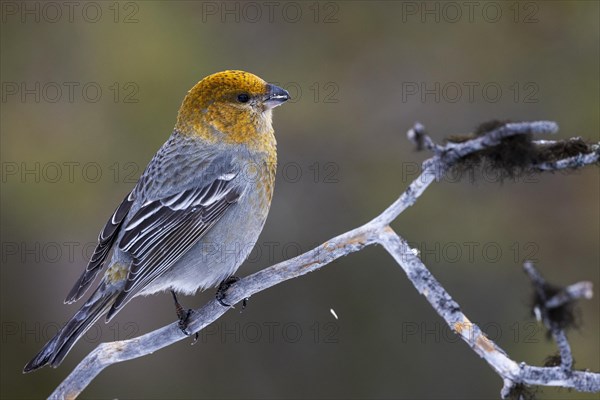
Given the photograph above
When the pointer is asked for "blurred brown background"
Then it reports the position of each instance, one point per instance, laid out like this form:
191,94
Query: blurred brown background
91,90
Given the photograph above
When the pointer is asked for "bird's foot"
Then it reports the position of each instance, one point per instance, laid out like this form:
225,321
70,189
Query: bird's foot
184,317
222,291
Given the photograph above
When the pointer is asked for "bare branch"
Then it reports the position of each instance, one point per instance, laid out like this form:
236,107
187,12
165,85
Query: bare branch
579,290
449,310
552,308
577,161
111,353
377,231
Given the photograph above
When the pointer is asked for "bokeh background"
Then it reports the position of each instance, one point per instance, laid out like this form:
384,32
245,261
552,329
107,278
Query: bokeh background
91,90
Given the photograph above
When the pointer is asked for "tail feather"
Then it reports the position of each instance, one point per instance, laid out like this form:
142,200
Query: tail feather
57,348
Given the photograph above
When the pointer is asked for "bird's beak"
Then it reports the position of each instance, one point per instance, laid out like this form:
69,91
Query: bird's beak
275,96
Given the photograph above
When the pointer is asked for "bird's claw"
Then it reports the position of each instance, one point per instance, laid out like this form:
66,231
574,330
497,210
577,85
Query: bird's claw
222,292
184,318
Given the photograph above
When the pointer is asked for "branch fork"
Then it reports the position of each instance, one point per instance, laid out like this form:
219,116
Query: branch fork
378,231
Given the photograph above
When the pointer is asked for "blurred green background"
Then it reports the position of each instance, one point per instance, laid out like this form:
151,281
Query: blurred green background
91,90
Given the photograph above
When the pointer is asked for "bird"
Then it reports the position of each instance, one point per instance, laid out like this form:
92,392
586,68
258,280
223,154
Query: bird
195,213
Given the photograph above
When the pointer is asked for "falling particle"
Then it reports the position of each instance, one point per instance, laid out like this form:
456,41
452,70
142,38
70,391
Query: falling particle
333,313
538,313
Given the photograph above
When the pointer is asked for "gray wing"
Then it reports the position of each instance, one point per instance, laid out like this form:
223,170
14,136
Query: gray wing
162,230
106,240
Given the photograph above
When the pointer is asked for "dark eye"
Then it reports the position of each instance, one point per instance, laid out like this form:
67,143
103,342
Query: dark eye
243,97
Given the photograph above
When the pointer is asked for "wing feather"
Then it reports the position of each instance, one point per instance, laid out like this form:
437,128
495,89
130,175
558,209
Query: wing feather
163,230
106,238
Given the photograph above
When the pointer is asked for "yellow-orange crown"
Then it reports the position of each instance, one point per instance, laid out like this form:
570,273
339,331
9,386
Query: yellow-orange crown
213,104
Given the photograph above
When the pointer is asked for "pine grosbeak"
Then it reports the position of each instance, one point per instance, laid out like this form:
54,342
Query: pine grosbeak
195,213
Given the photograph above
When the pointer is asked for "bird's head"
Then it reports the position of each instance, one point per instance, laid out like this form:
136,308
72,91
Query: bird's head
234,106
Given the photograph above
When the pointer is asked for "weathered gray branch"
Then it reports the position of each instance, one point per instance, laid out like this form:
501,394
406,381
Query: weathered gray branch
579,290
377,231
564,296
